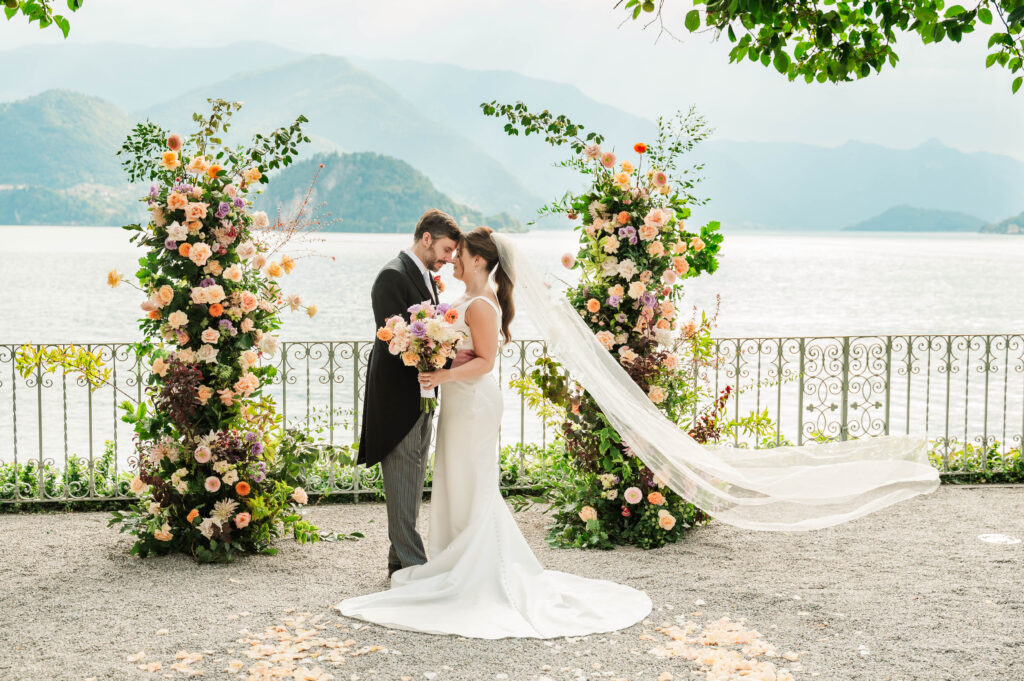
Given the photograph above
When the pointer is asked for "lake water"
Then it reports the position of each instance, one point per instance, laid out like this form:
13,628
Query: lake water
791,284
53,281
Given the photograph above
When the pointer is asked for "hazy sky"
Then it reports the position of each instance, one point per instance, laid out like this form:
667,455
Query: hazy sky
940,91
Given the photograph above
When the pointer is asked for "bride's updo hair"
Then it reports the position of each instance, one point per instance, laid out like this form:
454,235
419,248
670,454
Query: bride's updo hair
479,242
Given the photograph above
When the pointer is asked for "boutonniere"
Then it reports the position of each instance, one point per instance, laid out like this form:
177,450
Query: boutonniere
439,283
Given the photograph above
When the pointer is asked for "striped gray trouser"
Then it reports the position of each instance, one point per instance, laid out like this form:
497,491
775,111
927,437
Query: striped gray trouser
403,470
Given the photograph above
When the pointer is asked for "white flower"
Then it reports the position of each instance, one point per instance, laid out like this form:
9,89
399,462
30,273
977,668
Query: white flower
207,354
246,250
182,487
187,355
260,220
294,302
663,337
268,344
221,467
637,290
206,527
223,510
177,231
611,495
231,477
627,269
154,508
610,266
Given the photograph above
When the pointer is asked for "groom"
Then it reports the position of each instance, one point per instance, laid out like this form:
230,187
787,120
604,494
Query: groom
395,432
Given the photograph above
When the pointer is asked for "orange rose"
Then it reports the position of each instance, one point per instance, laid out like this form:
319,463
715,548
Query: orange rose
176,201
287,264
682,267
192,515
274,270
170,160
639,147
216,310
664,324
451,315
213,170
656,498
242,488
154,314
385,334
410,358
184,249
593,305
623,217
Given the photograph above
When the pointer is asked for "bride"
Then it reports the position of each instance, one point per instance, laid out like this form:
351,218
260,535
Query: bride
483,581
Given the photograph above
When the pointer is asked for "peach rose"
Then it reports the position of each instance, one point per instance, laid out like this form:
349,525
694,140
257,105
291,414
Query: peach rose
655,249
260,220
164,533
251,175
593,305
207,353
160,367
246,250
588,513
287,264
192,515
656,498
681,265
409,358
243,519
213,267
311,311
169,160
227,398
627,167
671,362
656,218
667,309
246,325
666,521
606,338
212,483
274,270
697,244
205,393
647,232
248,359
259,261
196,211
233,273
198,165
385,334
114,278
210,336
611,244
137,486
637,290
176,201
166,294
299,495
657,395
617,291
215,293
249,301
193,226
200,253
664,324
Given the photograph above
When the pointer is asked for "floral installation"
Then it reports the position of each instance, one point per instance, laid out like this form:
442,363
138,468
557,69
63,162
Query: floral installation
635,252
426,341
216,474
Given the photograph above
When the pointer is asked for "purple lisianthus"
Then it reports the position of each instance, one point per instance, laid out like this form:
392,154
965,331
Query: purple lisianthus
226,324
170,244
239,203
418,329
222,210
414,309
621,318
443,307
183,188
250,436
628,232
261,471
209,281
257,448
649,299
613,301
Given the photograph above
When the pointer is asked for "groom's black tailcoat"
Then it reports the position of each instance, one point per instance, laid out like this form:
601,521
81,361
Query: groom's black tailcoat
391,404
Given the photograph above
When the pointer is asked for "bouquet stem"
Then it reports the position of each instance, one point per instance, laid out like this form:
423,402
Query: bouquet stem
428,402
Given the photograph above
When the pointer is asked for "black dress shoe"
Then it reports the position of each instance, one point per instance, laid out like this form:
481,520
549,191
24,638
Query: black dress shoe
392,569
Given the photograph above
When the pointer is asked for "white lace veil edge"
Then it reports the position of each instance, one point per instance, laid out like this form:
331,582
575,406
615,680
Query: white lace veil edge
784,489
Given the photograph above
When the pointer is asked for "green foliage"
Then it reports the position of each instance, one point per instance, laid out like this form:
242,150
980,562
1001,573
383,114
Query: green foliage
843,40
42,11
371,193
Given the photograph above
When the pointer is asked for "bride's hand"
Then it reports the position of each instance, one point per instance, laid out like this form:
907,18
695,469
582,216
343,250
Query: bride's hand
433,379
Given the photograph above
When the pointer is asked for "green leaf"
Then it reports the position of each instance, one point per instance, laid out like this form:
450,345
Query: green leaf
985,15
1016,84
63,24
781,61
692,20
955,10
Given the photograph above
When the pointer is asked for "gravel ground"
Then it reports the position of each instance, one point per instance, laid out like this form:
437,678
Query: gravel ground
909,593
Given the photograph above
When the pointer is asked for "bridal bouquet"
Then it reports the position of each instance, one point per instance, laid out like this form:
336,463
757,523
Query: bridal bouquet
427,341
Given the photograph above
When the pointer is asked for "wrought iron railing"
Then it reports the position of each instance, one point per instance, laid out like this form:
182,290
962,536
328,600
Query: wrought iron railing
966,392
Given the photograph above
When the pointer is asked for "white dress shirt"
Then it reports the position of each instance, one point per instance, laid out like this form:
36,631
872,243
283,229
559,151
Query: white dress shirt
423,269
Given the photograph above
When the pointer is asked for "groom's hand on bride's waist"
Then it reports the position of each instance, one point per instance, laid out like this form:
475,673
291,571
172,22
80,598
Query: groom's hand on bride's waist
462,357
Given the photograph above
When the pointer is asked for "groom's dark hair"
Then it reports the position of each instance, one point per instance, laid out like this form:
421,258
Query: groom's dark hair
439,224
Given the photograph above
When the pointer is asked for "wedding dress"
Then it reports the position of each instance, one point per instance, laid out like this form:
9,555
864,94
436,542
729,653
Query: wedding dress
482,580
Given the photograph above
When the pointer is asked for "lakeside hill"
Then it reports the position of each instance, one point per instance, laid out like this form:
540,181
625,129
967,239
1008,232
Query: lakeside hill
1014,225
351,110
369,193
913,219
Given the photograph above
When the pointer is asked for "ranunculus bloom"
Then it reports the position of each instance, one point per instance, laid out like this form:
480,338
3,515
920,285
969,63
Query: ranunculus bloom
608,159
174,142
216,310
184,249
242,488
242,520
656,498
666,521
639,147
213,170
633,495
212,483
299,495
623,217
593,305
588,513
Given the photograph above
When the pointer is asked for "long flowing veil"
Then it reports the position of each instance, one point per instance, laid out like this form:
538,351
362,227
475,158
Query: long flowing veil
788,488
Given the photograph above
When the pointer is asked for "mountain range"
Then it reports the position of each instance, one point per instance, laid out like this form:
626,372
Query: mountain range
428,116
